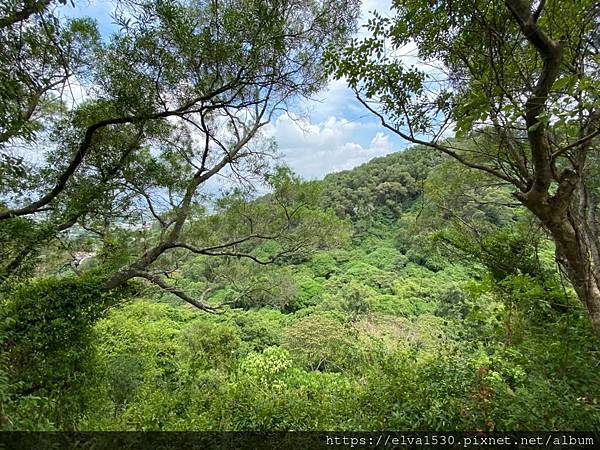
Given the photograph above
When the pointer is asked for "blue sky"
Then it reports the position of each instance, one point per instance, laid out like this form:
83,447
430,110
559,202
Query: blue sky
333,132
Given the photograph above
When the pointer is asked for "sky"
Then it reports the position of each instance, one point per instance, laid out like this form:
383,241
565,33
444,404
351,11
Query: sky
328,133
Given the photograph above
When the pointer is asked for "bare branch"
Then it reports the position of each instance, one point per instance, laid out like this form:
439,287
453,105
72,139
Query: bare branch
435,145
176,291
578,143
86,144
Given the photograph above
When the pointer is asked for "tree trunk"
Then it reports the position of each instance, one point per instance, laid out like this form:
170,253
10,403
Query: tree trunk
574,254
577,246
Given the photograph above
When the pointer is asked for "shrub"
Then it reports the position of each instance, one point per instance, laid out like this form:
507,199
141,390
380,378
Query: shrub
46,330
320,343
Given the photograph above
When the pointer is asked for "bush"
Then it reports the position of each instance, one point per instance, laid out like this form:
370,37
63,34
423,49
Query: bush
320,343
268,393
212,345
386,258
46,331
323,265
260,328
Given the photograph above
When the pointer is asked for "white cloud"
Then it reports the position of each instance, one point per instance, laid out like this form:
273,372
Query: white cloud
313,150
332,131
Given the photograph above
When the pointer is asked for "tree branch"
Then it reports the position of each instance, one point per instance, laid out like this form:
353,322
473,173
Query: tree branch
29,8
155,279
435,145
86,144
551,54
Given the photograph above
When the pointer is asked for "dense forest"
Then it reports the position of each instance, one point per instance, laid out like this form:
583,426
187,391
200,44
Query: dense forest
451,285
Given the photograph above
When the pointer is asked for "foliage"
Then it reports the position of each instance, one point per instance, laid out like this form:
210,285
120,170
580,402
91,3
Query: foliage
518,83
320,343
409,293
47,344
178,96
382,188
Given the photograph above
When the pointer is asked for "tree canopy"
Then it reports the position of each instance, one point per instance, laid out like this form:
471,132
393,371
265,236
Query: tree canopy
128,131
520,80
422,290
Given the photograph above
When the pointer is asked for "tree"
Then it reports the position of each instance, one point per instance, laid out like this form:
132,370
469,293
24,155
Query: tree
176,98
520,81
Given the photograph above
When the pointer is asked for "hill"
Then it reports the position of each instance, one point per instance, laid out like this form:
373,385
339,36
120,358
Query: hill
405,321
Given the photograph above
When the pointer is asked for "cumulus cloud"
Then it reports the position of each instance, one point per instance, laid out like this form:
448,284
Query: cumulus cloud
332,131
313,150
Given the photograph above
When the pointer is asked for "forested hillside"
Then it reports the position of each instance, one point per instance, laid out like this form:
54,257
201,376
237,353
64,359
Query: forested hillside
163,268
389,326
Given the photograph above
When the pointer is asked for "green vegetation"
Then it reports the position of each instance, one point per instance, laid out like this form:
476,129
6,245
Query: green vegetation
415,292
381,331
519,80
